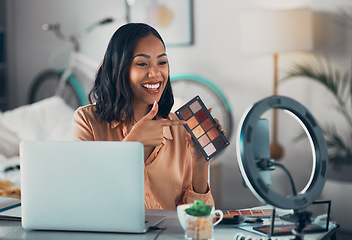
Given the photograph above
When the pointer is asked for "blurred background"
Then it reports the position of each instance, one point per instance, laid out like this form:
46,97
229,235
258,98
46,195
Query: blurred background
218,52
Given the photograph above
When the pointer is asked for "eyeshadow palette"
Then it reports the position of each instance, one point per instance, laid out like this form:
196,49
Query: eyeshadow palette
249,212
202,127
245,215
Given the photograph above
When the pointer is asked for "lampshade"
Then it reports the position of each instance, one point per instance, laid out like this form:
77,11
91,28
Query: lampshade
280,4
274,31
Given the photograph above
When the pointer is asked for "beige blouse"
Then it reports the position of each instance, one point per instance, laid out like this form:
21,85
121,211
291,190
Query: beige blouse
168,169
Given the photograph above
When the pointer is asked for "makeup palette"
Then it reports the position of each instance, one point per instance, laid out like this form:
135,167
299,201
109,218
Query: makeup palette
245,216
249,212
202,127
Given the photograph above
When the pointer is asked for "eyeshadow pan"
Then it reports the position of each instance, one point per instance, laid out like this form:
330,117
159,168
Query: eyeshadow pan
201,115
207,124
192,122
198,131
204,140
209,149
213,133
186,113
257,212
218,142
195,107
245,212
234,212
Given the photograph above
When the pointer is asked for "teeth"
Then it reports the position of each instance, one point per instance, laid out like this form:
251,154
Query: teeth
151,86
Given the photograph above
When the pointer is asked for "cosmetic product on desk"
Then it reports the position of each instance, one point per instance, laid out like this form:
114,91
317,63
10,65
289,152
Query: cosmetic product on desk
202,127
254,216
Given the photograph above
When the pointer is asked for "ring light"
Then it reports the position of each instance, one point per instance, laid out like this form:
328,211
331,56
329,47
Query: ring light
250,168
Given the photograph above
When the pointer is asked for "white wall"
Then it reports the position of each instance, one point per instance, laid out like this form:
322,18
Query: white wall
215,55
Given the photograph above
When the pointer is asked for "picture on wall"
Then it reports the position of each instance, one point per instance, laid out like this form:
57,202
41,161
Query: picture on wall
172,19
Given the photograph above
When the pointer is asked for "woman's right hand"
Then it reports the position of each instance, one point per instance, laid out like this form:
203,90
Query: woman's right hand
148,131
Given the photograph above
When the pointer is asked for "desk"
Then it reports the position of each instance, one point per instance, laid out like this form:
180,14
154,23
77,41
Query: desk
13,230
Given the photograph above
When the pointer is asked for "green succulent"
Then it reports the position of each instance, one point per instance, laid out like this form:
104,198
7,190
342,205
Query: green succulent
199,209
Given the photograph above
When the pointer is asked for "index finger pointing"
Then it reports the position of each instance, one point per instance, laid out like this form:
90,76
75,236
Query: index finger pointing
172,122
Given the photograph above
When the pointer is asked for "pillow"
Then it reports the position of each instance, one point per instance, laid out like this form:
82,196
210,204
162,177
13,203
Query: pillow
49,119
9,141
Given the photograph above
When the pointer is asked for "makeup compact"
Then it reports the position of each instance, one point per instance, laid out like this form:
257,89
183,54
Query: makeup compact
201,125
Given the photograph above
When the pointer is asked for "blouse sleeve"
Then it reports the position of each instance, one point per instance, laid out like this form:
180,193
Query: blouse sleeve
190,195
81,127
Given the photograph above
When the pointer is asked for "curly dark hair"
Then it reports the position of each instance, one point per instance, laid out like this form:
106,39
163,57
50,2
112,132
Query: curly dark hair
111,90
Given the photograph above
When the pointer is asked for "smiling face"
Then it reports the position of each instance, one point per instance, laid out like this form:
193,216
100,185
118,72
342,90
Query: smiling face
149,71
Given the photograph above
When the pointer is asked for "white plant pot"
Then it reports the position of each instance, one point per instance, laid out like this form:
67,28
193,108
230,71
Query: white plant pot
340,194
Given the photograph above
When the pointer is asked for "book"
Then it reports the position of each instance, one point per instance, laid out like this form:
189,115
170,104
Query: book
10,209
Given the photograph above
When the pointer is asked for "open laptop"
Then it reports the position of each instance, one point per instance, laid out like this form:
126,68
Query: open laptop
84,186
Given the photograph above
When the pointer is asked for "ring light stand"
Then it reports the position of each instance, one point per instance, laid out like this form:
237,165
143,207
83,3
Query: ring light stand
251,167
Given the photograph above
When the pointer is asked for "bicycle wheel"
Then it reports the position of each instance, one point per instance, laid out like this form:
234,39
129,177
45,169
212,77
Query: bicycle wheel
46,84
187,86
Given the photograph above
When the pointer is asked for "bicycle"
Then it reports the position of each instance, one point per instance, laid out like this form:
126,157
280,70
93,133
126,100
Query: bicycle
64,82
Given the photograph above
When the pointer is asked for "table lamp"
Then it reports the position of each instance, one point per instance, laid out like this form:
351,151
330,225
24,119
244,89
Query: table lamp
274,32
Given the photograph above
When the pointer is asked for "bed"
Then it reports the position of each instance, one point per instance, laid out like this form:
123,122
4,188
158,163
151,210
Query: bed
49,119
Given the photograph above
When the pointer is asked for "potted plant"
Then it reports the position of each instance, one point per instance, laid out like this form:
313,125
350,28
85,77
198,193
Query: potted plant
339,141
338,186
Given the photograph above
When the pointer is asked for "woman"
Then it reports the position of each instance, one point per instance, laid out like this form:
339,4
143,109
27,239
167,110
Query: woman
133,99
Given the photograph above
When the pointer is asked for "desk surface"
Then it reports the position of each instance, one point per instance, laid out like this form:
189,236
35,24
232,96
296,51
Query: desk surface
13,230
